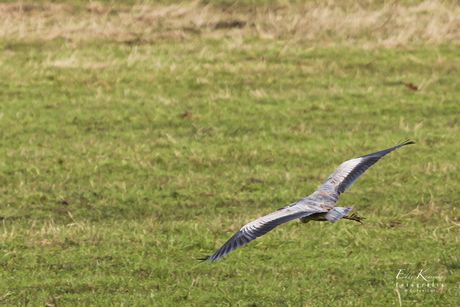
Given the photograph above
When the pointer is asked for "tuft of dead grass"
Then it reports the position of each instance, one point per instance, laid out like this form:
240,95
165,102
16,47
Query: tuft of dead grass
391,25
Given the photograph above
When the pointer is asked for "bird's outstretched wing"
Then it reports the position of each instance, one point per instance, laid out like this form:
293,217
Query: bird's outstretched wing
350,170
263,225
337,183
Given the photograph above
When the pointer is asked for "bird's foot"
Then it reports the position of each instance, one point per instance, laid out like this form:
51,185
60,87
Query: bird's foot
356,218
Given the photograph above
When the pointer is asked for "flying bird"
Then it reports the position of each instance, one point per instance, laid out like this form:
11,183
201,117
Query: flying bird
319,206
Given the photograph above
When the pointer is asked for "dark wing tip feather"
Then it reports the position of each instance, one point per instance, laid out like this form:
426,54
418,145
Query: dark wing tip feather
203,259
237,240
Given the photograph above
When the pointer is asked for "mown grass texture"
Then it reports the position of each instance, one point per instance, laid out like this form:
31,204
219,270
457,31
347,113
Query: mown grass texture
129,154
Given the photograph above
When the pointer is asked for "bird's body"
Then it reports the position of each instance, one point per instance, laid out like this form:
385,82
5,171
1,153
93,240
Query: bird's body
319,206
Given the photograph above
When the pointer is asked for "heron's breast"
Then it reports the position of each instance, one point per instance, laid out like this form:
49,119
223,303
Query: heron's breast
314,217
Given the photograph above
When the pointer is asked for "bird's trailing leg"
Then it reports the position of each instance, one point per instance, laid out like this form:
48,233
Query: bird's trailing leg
356,218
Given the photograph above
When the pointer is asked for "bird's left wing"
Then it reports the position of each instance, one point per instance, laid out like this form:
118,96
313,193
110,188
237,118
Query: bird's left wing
263,225
350,170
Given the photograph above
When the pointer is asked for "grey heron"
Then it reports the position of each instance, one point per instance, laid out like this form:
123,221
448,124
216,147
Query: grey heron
319,206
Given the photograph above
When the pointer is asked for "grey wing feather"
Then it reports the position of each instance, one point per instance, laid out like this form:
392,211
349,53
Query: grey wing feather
261,226
347,173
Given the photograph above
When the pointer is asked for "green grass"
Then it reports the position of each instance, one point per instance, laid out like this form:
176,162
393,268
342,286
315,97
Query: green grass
122,163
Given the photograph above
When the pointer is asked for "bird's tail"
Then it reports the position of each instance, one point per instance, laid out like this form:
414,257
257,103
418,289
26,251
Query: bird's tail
336,214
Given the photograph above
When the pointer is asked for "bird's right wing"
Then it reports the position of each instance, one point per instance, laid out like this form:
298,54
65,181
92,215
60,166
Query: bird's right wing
263,225
347,173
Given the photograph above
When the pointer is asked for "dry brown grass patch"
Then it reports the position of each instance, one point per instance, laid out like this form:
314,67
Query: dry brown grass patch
391,25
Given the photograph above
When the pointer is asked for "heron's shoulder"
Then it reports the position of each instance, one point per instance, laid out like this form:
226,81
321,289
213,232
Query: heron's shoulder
309,204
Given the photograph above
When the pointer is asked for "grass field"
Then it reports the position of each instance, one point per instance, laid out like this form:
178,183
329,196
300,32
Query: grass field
139,136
